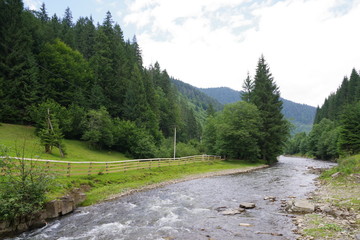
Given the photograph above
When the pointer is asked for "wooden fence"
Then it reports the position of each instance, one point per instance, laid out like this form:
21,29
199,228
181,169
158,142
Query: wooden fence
67,168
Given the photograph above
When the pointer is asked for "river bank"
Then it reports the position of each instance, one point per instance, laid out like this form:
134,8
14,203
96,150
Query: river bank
337,201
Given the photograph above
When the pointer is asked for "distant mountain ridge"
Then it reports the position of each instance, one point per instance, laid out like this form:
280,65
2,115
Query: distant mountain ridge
301,115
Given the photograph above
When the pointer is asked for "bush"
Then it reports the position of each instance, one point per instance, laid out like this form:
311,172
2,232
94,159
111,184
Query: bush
23,187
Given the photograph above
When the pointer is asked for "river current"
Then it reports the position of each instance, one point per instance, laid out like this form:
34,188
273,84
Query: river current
188,210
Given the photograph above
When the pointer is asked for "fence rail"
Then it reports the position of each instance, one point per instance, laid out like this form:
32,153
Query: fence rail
69,168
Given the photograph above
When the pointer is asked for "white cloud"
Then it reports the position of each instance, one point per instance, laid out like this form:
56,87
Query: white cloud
33,4
309,46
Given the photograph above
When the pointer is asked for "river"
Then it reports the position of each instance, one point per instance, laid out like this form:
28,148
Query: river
188,210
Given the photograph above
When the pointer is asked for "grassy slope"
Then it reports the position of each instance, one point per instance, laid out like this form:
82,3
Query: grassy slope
102,186
17,136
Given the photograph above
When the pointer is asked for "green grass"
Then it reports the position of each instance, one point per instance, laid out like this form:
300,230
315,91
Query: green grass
103,186
320,228
346,166
22,139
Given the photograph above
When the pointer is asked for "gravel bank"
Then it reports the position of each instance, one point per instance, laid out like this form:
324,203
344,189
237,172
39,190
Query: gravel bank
187,178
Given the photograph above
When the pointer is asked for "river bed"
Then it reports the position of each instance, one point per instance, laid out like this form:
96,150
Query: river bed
188,210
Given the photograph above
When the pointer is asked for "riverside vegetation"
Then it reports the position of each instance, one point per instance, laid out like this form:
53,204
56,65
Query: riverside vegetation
338,198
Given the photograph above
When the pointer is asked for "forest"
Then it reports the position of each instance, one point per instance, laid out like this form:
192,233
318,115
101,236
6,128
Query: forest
81,80
89,81
336,130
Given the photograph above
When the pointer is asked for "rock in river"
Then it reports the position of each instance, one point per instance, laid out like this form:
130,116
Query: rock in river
233,211
301,206
247,205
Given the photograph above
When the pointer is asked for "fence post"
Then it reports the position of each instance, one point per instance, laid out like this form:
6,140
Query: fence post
47,166
68,169
89,171
106,168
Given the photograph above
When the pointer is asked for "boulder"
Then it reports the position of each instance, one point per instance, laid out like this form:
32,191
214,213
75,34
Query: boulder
53,209
247,205
302,206
67,205
233,211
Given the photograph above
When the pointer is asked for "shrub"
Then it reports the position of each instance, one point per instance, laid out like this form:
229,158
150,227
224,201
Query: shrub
22,187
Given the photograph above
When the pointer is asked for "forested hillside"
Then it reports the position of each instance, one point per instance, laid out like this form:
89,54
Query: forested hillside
347,94
301,115
87,82
197,97
224,95
336,130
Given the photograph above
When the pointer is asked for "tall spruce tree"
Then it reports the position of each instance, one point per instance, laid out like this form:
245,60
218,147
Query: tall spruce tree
275,129
18,69
248,87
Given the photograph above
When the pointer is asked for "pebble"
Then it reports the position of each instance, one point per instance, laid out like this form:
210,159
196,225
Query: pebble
246,225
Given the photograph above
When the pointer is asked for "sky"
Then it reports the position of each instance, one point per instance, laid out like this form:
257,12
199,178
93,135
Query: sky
309,45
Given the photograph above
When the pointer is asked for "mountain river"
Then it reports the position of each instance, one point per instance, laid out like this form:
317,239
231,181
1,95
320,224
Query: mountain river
188,210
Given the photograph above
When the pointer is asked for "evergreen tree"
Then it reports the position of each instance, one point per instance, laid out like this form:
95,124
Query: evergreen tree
85,36
18,69
68,35
350,130
66,76
248,87
136,107
266,97
51,135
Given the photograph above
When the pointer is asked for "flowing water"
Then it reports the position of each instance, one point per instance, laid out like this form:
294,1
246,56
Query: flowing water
187,210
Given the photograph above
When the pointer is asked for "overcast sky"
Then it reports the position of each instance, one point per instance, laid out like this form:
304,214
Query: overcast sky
310,45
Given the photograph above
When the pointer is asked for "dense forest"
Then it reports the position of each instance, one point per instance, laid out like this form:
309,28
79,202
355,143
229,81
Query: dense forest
300,115
88,82
336,128
81,80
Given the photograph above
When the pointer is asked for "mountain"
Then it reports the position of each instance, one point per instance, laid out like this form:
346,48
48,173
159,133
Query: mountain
301,115
197,97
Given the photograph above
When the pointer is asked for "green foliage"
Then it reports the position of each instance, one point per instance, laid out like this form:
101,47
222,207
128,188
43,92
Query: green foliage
350,130
66,75
134,140
297,144
347,94
166,150
346,165
22,188
266,97
235,132
98,128
323,140
239,131
18,71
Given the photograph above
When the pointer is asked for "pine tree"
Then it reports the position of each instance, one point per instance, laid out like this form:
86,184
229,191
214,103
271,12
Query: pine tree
275,129
248,87
350,129
18,69
68,35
